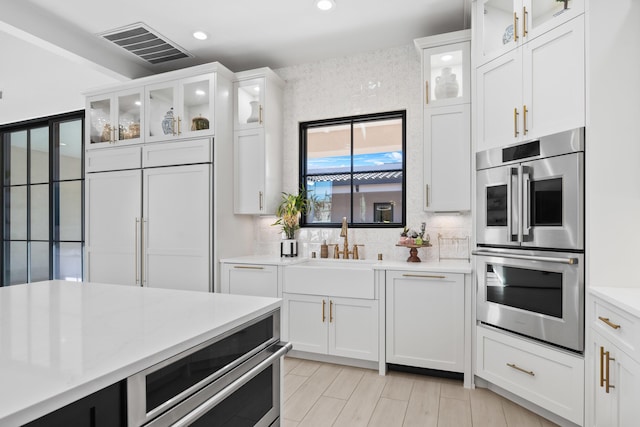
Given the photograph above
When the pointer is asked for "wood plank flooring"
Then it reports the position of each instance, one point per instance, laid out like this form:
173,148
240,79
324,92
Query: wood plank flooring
323,394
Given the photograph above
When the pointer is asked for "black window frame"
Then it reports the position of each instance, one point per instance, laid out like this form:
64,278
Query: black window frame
352,120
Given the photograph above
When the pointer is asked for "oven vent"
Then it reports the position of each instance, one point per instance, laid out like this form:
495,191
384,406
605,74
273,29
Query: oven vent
145,43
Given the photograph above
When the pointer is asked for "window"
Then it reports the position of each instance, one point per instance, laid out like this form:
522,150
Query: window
354,167
42,199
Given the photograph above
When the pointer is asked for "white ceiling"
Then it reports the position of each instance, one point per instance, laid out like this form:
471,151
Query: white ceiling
243,34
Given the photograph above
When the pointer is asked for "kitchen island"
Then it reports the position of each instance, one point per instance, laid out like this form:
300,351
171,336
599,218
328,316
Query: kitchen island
61,341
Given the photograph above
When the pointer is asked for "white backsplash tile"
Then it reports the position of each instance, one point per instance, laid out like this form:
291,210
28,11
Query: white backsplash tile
379,81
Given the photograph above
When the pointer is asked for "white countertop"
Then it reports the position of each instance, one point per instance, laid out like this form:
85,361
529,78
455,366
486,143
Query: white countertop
60,341
627,299
449,266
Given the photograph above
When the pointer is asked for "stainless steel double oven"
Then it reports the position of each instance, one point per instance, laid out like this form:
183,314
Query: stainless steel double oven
530,238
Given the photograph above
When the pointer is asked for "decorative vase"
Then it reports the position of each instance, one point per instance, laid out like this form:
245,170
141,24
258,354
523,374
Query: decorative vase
289,248
199,123
167,122
446,84
255,111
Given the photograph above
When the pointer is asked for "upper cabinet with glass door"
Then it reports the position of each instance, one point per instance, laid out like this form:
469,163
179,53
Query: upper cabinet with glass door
446,72
502,25
249,105
180,108
114,118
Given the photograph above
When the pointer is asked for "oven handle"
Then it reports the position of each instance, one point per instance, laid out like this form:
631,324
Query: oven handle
526,200
570,261
233,387
512,237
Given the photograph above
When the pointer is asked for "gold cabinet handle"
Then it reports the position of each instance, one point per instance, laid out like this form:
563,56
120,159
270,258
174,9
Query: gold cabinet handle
323,316
515,123
525,16
260,114
179,122
330,311
248,267
261,199
426,195
426,92
135,252
609,322
424,276
608,359
601,366
518,368
524,119
515,27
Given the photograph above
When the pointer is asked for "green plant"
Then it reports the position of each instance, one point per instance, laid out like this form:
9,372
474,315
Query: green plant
291,207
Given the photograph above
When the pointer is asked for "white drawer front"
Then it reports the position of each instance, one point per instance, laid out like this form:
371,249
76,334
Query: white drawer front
177,153
111,159
348,282
549,378
620,327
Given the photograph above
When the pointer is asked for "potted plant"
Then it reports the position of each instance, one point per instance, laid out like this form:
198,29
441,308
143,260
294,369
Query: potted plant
291,207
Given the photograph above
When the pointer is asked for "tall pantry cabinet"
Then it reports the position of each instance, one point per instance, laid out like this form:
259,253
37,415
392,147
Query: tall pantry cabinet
153,208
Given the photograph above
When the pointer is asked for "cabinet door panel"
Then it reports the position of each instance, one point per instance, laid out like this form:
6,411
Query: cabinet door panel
353,328
249,171
554,80
305,319
258,280
447,151
177,212
425,320
628,384
113,203
499,86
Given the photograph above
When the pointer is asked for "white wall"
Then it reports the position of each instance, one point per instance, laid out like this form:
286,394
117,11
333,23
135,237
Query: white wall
613,143
37,83
384,80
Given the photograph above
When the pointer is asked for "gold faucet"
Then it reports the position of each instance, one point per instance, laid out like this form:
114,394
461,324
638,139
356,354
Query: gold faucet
343,233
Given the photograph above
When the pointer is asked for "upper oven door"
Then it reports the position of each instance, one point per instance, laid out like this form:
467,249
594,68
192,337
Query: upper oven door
498,216
553,202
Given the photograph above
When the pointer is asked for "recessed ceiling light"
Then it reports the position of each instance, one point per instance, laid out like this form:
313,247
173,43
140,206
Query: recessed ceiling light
446,58
200,92
325,5
200,35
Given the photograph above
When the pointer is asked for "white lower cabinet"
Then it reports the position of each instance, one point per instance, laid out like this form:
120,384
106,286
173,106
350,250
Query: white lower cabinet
550,378
425,320
615,370
346,327
250,279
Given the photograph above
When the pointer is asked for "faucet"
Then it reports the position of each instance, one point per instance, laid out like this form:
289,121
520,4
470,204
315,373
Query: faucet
345,251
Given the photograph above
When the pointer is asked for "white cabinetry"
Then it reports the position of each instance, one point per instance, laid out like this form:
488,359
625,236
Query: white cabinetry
615,372
346,327
250,279
149,227
257,142
114,117
447,121
550,378
182,108
502,25
534,90
425,318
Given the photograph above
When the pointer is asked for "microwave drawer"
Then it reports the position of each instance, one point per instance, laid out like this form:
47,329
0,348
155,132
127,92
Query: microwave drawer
549,378
620,327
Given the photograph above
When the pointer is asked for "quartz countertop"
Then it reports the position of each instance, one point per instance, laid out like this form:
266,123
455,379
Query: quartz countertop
61,341
627,299
448,266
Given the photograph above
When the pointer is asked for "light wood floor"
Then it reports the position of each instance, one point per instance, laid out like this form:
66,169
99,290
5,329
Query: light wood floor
322,394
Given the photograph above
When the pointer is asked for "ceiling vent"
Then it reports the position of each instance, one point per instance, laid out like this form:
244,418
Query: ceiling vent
145,43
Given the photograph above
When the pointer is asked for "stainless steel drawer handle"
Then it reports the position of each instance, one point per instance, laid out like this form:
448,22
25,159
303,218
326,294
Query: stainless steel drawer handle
570,261
248,267
518,368
231,388
424,276
609,322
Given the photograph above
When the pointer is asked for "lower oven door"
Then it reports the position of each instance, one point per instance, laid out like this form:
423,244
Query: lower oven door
249,395
533,293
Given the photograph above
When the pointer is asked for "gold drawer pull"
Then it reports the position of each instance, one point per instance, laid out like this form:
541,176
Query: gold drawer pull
518,368
609,322
424,276
248,267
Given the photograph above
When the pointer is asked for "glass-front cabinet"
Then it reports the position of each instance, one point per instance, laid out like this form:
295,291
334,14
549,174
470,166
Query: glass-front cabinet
249,105
446,73
180,109
502,25
114,118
